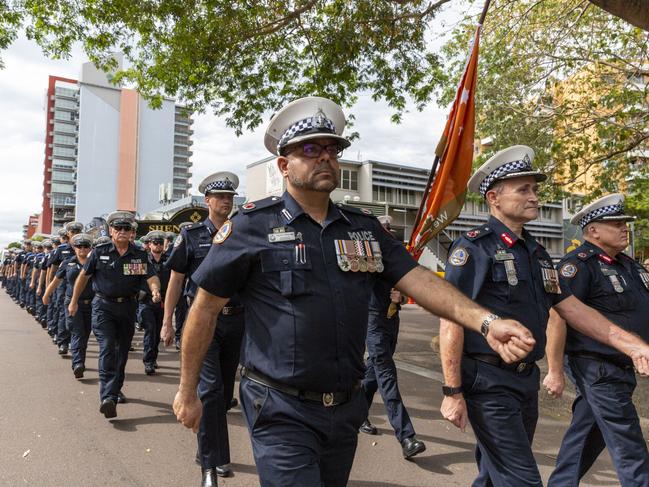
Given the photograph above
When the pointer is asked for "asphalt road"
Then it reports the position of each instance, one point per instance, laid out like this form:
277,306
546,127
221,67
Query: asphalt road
51,433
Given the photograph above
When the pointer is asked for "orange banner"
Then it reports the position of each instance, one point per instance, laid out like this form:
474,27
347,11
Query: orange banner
444,199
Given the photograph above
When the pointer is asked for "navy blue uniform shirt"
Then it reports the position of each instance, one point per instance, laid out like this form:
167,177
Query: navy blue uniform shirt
190,248
62,252
117,276
306,318
478,266
161,270
617,288
68,272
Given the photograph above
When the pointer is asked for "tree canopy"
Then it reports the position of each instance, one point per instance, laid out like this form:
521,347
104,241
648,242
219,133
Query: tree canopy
241,58
568,79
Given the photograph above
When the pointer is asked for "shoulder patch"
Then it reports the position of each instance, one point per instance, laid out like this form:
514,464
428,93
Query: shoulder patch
178,241
585,255
478,232
223,233
258,205
458,257
354,209
568,270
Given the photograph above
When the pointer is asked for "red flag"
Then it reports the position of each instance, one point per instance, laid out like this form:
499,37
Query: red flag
443,200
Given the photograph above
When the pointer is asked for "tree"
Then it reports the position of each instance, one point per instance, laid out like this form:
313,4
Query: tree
568,79
242,58
14,245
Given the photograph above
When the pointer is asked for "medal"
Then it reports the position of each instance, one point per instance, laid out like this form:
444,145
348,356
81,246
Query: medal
378,257
613,277
362,258
644,277
510,269
343,262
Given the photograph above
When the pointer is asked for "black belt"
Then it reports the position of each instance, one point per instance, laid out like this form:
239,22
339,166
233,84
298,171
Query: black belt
85,301
232,310
621,362
123,299
496,361
328,399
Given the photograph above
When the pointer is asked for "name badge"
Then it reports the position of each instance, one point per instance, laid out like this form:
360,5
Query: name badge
281,237
613,277
510,269
104,257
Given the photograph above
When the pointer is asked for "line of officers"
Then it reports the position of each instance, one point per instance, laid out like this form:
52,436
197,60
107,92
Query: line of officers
300,271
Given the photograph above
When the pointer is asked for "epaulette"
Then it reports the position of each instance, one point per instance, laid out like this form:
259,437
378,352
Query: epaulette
478,232
258,205
355,209
102,244
194,226
585,254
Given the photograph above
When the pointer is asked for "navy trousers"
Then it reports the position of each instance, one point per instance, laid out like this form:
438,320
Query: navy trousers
381,372
300,442
180,313
603,415
503,410
62,332
151,316
215,390
79,325
114,325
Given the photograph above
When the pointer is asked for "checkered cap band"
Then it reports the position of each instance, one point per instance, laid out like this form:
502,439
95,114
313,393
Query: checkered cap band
616,209
222,185
316,124
510,167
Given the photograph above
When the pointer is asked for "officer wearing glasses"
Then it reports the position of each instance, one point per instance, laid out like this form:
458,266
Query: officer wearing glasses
153,313
305,268
118,270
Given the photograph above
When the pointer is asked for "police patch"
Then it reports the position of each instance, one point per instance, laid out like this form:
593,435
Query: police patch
178,241
568,270
458,257
366,211
223,233
473,233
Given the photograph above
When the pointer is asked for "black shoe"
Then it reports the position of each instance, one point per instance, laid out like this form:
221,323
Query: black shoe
63,349
149,369
209,477
121,398
138,327
368,428
412,446
234,403
54,340
78,370
155,365
223,471
108,408
131,348
177,344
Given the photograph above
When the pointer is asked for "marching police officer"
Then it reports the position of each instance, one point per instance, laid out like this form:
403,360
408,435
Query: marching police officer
216,385
381,372
503,267
304,268
78,325
118,270
152,313
603,414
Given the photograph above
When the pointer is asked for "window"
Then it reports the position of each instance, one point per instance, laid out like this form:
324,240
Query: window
62,163
65,91
62,188
482,208
64,151
66,128
545,213
349,179
63,176
61,103
65,139
63,115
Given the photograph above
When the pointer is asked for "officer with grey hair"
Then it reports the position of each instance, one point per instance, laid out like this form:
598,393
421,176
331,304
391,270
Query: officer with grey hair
118,270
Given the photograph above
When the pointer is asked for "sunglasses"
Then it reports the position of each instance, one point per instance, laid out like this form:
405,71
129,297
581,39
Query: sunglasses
122,228
313,150
82,246
157,242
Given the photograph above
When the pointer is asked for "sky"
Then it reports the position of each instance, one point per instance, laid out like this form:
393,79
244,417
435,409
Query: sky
23,83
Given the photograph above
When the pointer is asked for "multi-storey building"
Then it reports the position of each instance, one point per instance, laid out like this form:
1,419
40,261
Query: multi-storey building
397,190
106,149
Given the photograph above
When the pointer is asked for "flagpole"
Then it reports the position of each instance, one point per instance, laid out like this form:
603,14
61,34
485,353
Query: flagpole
484,12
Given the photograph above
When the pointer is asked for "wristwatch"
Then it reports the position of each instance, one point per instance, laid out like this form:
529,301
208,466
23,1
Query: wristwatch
451,391
484,328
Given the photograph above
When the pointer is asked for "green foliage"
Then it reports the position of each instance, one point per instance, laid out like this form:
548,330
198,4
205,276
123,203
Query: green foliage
242,58
10,22
560,76
14,245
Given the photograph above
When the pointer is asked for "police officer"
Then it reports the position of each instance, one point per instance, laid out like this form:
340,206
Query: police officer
23,264
152,313
51,307
42,279
78,325
63,252
180,313
118,270
33,273
381,372
216,385
603,414
503,267
304,269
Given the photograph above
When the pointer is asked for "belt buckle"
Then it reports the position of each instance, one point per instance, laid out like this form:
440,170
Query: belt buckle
226,310
521,367
328,399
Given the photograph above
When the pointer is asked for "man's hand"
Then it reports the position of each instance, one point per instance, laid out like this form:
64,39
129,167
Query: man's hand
167,332
640,357
46,298
72,308
188,410
555,383
453,409
155,296
395,296
511,340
